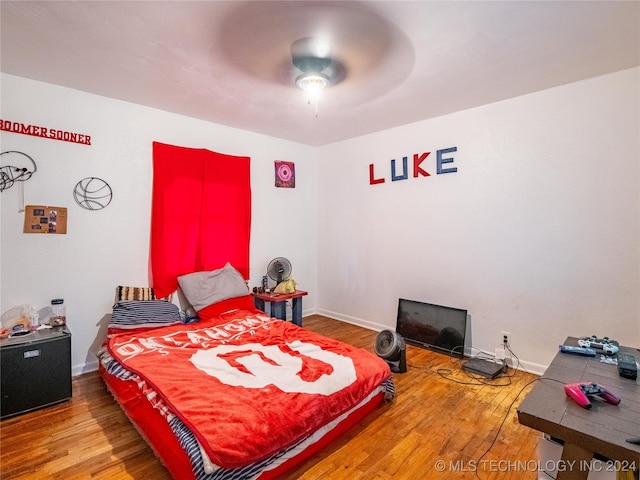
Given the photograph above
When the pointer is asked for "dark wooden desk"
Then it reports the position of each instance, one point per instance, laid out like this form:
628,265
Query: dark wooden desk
278,303
602,429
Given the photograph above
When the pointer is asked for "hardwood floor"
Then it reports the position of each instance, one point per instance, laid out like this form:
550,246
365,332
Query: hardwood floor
468,426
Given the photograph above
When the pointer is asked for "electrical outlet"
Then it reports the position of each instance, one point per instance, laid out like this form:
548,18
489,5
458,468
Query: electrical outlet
506,338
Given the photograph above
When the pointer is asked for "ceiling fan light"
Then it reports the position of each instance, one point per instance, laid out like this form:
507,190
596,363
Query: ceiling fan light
312,82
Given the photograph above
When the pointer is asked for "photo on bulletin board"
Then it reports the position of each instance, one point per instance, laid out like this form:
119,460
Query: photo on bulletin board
285,174
43,219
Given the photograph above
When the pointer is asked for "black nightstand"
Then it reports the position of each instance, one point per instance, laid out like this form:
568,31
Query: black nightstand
35,370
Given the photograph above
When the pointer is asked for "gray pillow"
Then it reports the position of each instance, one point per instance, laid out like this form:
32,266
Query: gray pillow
206,288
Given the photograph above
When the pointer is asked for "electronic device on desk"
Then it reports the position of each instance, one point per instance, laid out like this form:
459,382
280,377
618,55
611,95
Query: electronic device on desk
627,367
608,346
581,393
584,351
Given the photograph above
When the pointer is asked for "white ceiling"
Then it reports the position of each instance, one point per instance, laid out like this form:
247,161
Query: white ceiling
230,63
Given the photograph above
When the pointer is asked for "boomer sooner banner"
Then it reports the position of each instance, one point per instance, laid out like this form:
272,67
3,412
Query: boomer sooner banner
44,132
249,385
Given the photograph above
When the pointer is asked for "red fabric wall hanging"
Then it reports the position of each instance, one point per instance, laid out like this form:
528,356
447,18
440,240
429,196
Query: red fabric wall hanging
200,215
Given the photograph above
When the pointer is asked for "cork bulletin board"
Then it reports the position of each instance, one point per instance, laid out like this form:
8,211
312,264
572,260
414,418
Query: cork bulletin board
45,219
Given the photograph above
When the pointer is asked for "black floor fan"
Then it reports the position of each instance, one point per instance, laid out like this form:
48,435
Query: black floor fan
391,347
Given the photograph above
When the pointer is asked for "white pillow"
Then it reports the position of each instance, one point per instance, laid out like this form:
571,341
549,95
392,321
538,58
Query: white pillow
206,288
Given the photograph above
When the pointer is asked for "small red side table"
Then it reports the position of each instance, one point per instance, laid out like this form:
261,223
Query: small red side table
278,304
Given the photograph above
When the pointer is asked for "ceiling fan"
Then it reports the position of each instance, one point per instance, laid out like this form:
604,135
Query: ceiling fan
311,56
318,45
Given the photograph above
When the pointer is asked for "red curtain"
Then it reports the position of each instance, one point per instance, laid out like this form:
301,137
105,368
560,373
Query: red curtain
200,214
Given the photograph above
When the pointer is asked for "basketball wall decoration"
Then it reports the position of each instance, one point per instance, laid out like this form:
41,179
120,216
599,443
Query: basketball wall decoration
92,193
285,174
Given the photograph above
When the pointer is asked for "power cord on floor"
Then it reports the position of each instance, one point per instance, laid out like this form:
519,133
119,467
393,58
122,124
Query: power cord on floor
475,379
504,419
495,438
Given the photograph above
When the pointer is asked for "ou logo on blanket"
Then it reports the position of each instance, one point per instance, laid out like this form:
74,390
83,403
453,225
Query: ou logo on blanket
269,365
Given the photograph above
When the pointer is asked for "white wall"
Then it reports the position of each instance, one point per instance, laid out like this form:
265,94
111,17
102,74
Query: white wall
109,247
536,234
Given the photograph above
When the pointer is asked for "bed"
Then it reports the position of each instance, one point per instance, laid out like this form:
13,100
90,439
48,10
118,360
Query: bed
237,394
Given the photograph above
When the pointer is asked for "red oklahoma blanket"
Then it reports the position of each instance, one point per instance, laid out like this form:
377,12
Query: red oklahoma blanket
248,385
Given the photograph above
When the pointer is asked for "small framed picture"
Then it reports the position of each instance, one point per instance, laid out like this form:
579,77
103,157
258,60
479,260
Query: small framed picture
285,174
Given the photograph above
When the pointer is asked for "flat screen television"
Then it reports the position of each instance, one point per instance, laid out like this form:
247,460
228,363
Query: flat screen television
434,327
